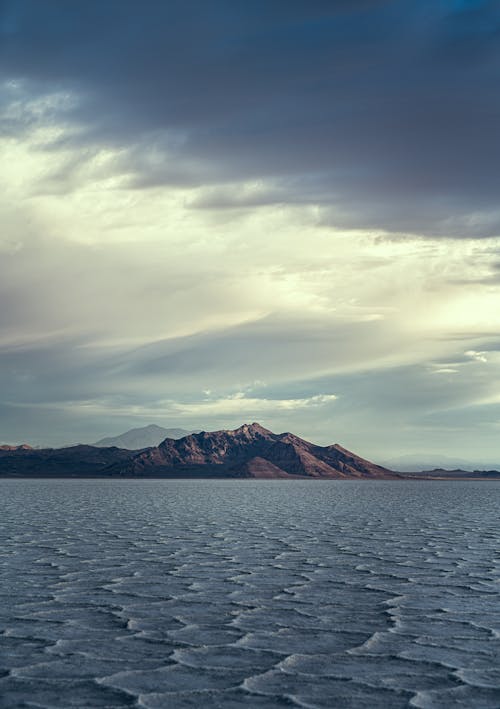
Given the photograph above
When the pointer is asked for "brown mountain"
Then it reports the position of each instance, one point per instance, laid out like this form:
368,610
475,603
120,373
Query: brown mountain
250,451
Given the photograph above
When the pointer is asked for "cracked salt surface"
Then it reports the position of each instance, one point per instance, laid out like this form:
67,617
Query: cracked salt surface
249,593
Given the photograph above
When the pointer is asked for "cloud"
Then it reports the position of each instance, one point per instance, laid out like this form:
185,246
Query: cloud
382,114
241,405
476,356
201,197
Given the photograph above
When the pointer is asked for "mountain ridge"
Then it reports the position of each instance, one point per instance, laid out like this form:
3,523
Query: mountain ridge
252,451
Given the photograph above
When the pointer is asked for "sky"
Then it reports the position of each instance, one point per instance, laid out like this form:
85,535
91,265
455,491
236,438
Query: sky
282,211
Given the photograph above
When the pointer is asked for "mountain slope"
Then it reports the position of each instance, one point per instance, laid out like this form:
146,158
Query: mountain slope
144,437
249,451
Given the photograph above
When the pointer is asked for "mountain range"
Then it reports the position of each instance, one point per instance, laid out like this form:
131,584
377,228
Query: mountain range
250,451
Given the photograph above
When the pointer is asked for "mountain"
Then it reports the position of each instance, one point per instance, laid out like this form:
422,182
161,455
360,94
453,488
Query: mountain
145,437
250,451
21,447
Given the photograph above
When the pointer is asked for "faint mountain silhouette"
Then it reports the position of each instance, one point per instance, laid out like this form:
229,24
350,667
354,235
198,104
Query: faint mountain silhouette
144,437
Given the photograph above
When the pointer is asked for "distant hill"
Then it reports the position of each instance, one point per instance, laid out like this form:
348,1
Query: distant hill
72,461
22,447
145,437
457,474
249,451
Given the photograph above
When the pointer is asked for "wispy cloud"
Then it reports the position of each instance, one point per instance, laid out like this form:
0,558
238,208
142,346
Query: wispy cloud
242,405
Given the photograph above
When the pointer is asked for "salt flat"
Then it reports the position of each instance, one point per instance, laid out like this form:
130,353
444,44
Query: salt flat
151,593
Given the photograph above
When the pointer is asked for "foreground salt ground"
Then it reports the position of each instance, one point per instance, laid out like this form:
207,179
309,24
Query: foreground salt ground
261,594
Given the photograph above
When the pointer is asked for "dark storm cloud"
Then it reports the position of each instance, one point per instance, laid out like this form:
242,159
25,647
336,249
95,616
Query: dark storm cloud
383,113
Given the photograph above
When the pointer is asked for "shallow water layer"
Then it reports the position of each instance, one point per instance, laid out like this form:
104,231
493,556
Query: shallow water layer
249,593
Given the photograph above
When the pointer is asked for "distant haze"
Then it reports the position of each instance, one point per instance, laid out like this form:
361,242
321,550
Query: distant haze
143,437
419,461
228,211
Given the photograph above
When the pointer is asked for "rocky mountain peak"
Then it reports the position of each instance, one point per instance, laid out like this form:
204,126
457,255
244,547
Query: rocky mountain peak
253,429
252,451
